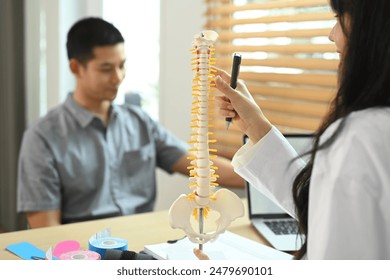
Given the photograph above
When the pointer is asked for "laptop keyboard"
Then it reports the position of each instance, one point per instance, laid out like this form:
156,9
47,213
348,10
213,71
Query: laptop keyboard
280,227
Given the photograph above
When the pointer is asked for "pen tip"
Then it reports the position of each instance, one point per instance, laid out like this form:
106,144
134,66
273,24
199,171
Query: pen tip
227,125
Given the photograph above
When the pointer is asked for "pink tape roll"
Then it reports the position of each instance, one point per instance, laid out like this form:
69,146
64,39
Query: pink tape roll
80,255
66,246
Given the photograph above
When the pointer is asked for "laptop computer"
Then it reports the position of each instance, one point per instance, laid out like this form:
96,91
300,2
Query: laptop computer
269,218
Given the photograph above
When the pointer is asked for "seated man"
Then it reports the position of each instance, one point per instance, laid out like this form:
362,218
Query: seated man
89,158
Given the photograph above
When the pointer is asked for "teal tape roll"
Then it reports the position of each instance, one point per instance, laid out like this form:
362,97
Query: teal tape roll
100,245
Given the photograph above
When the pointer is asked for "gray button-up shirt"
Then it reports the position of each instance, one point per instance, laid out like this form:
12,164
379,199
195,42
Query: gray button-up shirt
70,161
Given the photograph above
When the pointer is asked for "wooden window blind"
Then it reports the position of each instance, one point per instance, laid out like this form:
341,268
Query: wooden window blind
288,62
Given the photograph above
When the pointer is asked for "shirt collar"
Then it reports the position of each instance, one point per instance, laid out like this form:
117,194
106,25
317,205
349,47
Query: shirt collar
82,115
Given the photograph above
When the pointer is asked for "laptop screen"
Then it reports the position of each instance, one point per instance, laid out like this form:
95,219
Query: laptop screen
259,204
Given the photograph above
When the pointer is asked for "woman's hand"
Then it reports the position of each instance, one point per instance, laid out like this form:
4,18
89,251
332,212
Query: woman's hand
241,107
200,255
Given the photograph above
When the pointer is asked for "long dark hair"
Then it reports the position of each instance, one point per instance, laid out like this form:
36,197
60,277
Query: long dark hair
364,82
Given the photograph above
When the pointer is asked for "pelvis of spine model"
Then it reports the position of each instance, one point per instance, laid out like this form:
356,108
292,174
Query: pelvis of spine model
226,203
202,171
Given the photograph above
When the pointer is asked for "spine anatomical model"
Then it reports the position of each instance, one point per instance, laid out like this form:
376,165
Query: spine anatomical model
203,175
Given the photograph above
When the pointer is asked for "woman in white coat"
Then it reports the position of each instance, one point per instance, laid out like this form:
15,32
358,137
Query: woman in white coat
341,197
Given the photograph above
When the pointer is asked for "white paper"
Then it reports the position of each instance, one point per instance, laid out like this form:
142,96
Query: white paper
228,246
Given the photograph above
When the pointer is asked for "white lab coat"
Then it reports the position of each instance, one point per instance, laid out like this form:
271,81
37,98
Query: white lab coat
349,199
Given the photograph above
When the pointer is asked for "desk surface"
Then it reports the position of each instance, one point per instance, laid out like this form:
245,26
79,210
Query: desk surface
138,230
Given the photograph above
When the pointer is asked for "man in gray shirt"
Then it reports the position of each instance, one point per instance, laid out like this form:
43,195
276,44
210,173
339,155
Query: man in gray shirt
89,158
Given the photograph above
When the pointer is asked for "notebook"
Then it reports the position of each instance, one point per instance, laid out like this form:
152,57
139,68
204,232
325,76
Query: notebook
269,218
227,246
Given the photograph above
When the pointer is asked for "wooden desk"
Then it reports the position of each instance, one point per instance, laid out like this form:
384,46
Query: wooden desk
138,230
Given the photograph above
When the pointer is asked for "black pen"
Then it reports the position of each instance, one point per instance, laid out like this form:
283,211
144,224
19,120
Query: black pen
233,80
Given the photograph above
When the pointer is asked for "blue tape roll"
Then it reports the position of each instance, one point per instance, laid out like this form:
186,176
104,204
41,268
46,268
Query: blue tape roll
100,245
